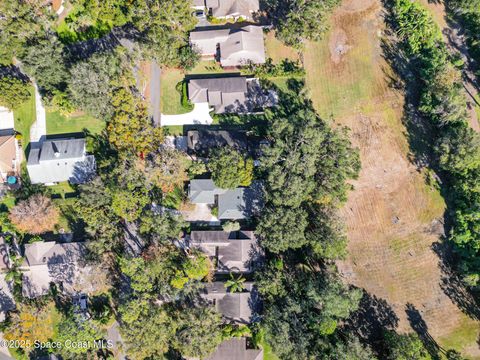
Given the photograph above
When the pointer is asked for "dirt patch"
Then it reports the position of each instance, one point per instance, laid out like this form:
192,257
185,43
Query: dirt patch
143,78
356,5
394,220
338,45
56,4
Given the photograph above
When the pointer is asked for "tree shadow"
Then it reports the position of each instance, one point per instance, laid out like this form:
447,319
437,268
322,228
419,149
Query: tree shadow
420,327
452,284
373,317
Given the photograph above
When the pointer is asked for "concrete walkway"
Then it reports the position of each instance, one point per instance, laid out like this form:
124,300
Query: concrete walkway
6,119
199,115
38,130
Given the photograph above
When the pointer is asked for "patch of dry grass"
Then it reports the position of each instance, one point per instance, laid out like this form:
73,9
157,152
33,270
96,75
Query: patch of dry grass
277,51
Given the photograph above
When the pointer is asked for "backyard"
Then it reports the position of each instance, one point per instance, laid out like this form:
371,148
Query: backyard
60,124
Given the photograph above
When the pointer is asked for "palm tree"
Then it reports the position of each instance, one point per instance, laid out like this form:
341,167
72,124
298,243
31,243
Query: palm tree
235,284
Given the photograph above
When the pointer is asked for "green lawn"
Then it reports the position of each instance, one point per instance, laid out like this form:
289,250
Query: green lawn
175,130
7,202
170,97
60,124
207,67
24,117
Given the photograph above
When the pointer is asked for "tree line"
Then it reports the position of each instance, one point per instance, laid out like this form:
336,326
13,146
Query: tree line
456,146
468,12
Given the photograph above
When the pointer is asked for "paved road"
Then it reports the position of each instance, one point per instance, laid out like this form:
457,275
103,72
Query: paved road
155,92
38,130
199,115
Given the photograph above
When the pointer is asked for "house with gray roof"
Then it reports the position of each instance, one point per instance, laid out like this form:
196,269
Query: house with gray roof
224,94
238,307
228,8
234,251
202,141
58,160
50,262
232,46
233,204
235,349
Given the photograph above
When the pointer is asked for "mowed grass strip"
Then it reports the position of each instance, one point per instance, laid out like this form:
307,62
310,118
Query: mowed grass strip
24,116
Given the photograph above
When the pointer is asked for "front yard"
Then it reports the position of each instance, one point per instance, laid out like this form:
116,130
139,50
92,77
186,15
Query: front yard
170,103
24,117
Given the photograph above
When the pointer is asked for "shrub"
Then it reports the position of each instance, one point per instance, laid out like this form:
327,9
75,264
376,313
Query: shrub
182,88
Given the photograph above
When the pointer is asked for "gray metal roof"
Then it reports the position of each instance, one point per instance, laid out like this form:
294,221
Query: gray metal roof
203,191
60,160
62,149
231,204
235,349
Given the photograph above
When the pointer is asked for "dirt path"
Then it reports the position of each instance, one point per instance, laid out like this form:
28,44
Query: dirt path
393,218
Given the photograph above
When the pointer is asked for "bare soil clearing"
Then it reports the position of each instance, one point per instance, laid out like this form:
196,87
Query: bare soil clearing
393,218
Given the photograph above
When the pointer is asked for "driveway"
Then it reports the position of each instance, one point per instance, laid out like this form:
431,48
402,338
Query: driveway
6,119
199,115
155,93
201,213
38,130
113,334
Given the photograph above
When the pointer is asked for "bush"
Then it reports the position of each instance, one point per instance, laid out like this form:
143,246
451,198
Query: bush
285,68
182,88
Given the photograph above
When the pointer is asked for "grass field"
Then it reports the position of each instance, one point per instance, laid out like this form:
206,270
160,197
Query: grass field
60,124
337,88
24,118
